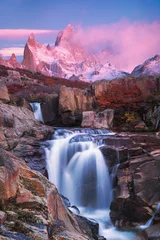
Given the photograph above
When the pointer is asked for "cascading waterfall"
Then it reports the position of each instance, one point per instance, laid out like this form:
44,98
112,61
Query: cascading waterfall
36,107
79,171
77,167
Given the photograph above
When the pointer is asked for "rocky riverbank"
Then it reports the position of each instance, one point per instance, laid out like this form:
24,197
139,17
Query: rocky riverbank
30,206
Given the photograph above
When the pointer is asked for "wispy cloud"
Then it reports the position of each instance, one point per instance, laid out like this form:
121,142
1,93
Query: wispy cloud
131,43
6,52
24,33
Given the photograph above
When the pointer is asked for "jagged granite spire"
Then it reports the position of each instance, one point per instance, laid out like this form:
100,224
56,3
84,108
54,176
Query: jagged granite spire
64,36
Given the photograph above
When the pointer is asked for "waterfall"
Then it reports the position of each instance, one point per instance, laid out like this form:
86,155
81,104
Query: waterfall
149,222
36,107
77,167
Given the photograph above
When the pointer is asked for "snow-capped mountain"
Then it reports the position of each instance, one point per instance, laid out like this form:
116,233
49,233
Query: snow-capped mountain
12,62
67,59
150,67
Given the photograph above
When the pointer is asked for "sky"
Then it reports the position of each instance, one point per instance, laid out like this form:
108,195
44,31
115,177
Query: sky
130,28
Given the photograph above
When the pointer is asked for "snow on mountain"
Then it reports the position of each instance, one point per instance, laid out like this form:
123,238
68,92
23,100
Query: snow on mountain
151,67
12,62
65,59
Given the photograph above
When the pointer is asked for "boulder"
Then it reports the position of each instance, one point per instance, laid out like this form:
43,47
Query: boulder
88,119
129,212
154,232
101,120
50,109
104,119
72,102
37,210
14,75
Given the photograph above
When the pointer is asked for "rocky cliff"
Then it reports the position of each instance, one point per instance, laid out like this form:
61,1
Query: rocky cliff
30,206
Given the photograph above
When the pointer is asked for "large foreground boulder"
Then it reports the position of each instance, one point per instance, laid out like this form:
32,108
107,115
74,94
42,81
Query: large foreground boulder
30,205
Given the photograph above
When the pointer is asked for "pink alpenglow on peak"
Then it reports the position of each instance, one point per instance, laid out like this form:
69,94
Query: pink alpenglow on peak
150,67
64,36
67,58
70,56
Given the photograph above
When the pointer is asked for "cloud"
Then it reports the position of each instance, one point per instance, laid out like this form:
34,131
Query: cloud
6,52
131,43
21,34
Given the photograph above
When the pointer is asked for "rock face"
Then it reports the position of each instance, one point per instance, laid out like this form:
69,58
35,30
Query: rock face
136,179
72,102
37,210
134,100
50,109
30,206
4,96
19,132
102,119
129,212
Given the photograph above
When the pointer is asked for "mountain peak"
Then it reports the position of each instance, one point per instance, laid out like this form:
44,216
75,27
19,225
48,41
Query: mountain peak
69,27
150,66
31,40
13,59
64,36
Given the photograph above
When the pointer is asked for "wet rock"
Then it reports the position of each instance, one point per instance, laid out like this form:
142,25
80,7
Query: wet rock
50,109
154,232
113,155
65,201
74,209
129,212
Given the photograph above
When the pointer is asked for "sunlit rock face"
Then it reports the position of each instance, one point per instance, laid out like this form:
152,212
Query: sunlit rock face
66,58
72,102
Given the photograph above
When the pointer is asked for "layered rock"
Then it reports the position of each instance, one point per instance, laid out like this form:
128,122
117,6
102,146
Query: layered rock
136,177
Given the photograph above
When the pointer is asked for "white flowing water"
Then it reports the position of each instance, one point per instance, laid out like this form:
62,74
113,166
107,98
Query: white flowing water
78,169
36,107
149,222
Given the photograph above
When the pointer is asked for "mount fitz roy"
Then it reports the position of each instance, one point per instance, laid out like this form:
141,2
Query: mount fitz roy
66,59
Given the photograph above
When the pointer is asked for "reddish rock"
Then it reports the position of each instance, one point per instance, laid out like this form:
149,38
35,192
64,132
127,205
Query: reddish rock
129,212
4,96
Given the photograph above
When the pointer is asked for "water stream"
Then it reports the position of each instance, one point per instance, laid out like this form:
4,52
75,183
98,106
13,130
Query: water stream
36,107
78,169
